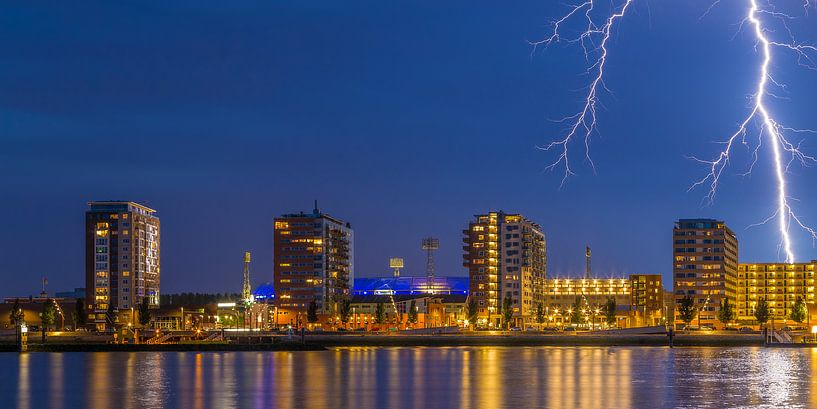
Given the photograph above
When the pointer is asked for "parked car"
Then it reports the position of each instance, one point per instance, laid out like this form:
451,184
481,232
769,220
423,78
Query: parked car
707,328
516,329
530,329
746,329
570,329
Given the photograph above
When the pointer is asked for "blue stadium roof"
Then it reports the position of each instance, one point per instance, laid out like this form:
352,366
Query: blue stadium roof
390,285
410,285
264,291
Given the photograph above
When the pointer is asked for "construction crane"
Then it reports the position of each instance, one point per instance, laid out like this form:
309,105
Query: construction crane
430,245
246,290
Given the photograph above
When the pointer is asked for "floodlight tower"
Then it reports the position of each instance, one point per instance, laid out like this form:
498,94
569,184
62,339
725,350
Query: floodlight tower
430,245
396,263
246,290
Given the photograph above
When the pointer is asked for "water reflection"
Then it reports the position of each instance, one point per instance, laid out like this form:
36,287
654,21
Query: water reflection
416,378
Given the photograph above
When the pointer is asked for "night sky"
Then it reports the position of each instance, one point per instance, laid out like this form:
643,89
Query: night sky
404,118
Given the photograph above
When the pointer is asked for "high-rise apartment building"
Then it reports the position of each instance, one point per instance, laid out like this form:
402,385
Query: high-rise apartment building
779,284
705,265
122,258
506,257
313,259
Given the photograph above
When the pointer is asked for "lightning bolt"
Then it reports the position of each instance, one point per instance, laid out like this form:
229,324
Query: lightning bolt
769,128
593,40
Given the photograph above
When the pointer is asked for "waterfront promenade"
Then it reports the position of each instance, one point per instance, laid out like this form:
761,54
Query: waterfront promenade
316,341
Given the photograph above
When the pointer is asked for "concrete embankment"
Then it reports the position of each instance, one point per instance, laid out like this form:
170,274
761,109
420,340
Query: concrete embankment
323,341
208,347
731,340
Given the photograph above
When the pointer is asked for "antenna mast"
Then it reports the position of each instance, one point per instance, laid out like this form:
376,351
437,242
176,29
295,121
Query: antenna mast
246,290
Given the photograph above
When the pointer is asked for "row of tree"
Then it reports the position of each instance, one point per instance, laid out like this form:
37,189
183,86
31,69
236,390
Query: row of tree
575,316
345,312
687,311
48,314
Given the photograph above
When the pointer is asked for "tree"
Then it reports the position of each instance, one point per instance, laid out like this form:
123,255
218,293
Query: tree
345,310
576,311
610,311
687,309
507,311
412,312
16,315
79,314
380,313
144,312
472,311
540,314
799,312
48,316
312,311
726,313
762,311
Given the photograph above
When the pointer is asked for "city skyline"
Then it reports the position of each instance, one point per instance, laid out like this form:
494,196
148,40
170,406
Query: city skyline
262,280
402,147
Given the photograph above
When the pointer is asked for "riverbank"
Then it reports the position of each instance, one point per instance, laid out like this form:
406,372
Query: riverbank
193,347
684,340
317,342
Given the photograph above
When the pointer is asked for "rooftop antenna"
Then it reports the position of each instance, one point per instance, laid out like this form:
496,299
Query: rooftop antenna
430,245
246,290
316,211
396,263
587,271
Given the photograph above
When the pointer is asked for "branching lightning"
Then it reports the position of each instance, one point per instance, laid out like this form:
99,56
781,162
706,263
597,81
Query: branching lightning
594,41
784,152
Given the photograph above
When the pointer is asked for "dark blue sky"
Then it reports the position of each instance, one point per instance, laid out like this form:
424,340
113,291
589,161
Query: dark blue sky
403,117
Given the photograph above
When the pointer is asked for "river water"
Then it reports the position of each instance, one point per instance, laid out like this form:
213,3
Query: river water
457,377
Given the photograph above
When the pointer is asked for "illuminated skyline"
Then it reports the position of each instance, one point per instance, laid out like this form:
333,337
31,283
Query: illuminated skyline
224,116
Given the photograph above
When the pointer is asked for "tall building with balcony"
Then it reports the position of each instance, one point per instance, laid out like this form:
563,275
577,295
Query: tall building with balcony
506,256
122,258
313,257
779,284
705,265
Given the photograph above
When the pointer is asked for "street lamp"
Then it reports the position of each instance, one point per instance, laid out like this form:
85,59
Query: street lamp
595,313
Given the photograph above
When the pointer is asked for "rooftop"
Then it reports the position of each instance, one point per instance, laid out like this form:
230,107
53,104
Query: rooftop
107,205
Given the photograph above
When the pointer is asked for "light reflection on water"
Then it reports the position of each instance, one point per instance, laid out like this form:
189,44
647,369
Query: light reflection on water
466,377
